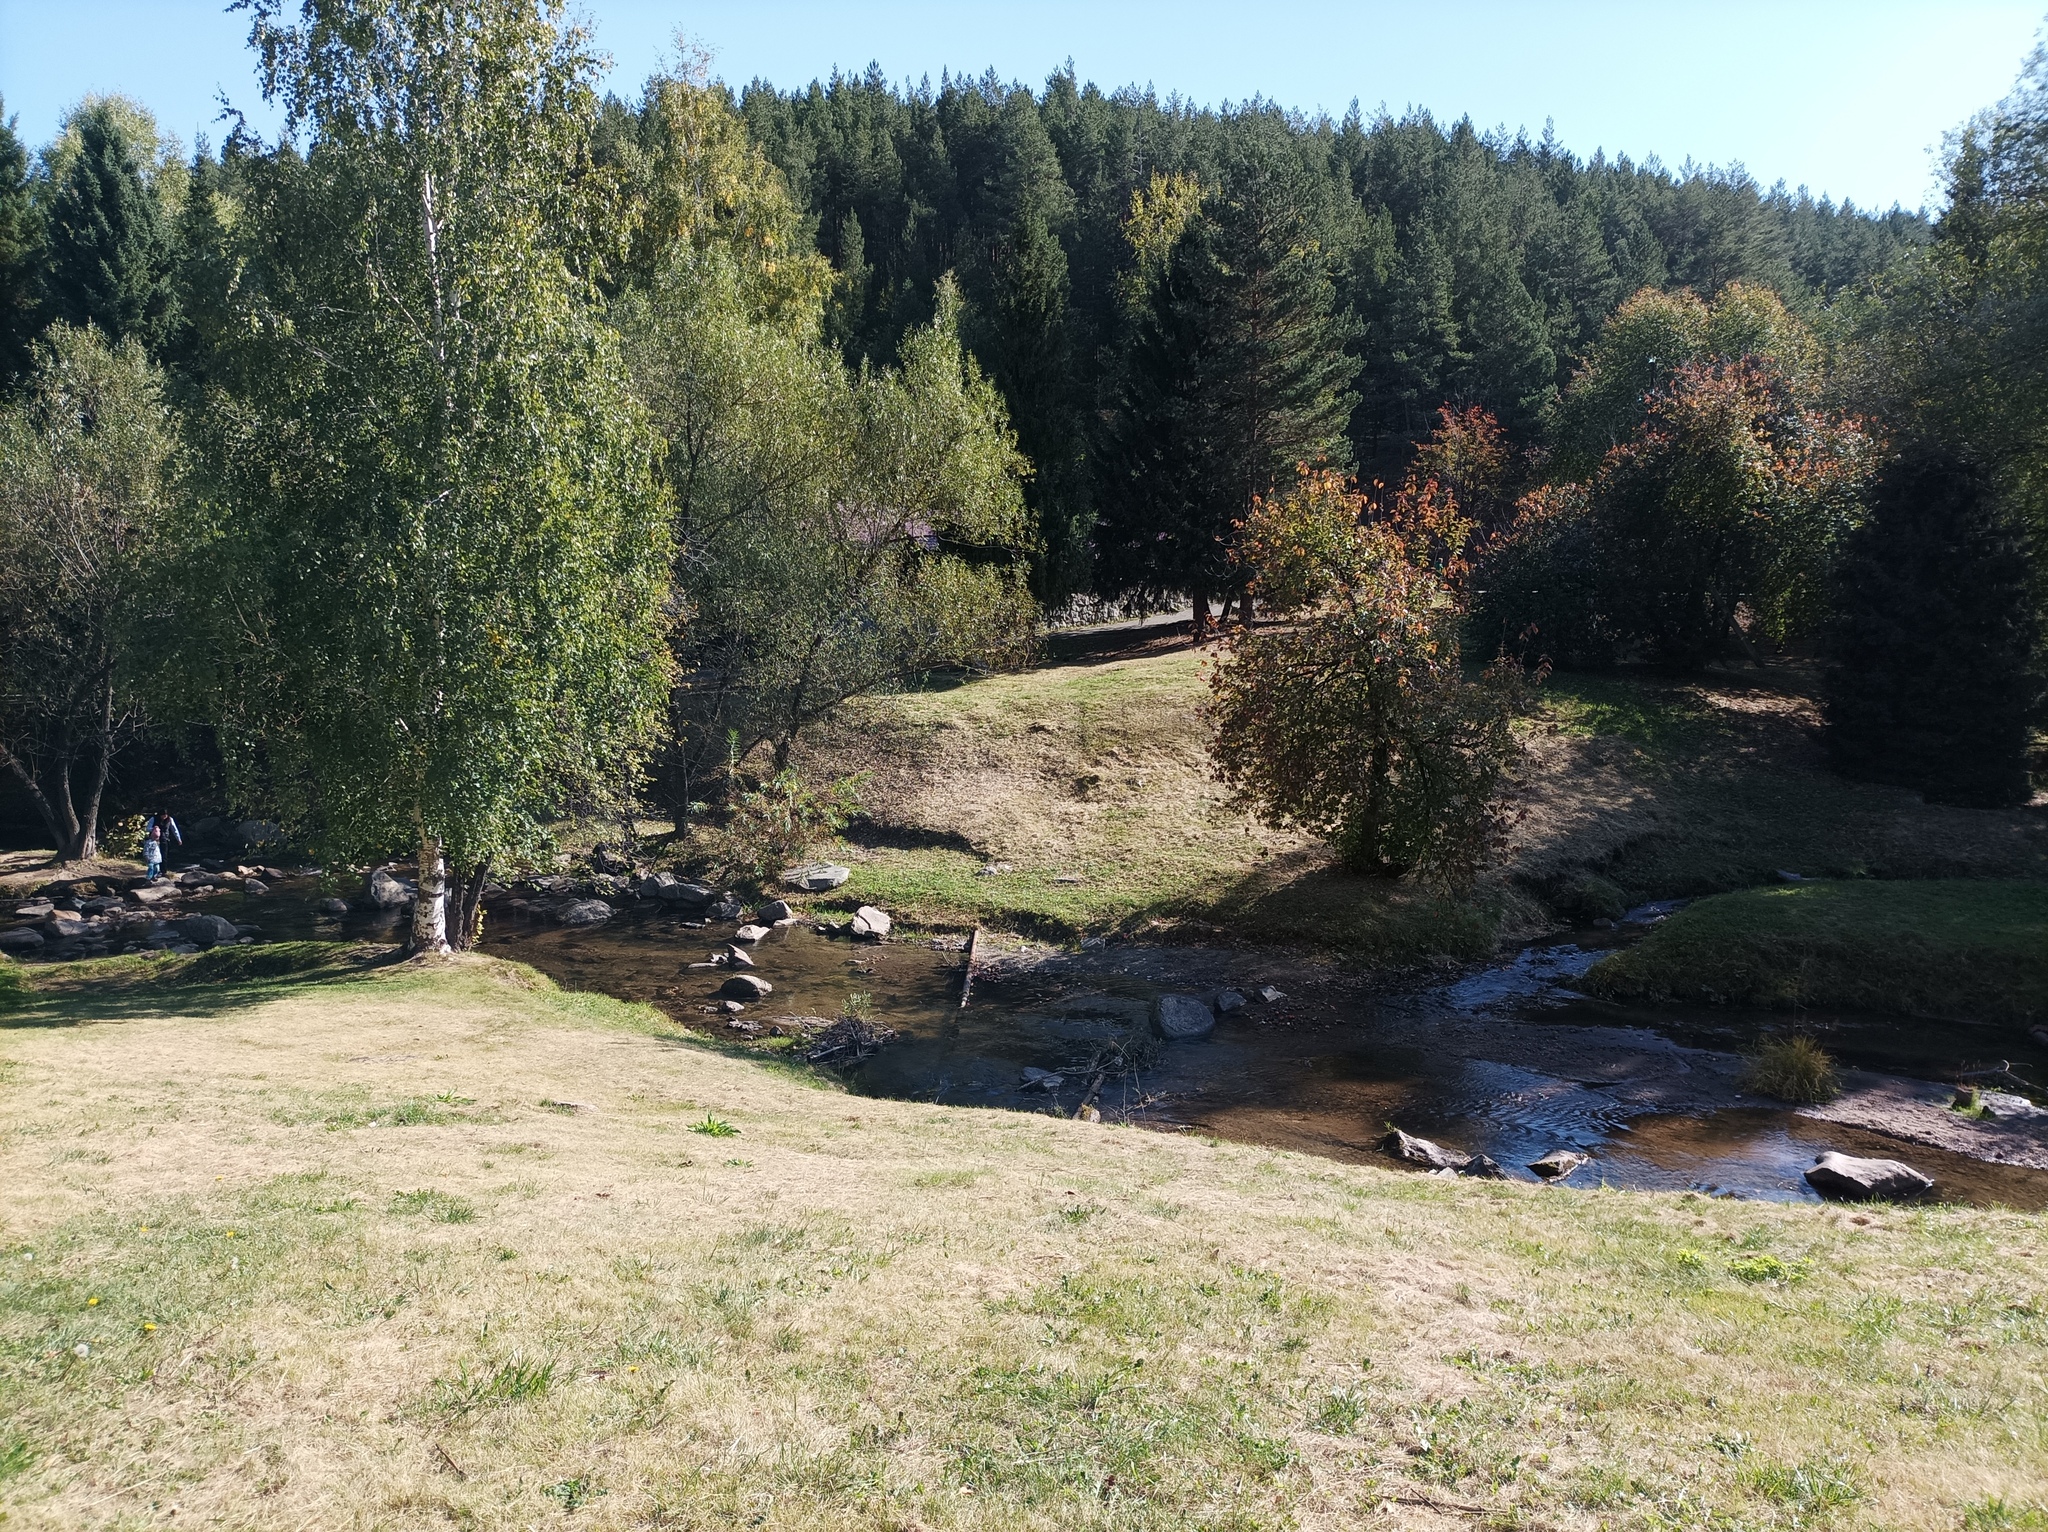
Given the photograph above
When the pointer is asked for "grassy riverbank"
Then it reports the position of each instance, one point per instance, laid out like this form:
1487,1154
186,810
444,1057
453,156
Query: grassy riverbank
359,1246
1088,784
1960,950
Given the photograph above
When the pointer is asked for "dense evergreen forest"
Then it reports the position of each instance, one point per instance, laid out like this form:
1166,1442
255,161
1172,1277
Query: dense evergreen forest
436,477
1470,268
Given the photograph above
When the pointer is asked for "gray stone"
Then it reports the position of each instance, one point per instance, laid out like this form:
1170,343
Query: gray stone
1228,1000
1558,1164
207,930
727,908
1181,1016
816,877
332,907
870,922
387,891
35,909
585,912
255,887
1485,1167
1269,994
1850,1179
774,910
746,986
686,893
2004,1106
1042,1079
749,933
154,893
651,886
21,939
736,957
1420,1151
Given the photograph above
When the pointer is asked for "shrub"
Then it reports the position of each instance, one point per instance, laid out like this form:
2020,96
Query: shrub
1792,1069
768,827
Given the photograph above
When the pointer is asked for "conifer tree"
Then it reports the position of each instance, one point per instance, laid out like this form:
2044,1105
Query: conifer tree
1934,681
109,259
1237,375
19,244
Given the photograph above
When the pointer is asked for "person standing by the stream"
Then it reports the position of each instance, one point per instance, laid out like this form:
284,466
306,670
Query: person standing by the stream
155,831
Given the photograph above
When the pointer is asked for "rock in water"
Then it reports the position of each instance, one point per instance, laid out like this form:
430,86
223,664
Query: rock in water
772,911
870,923
2005,1106
1181,1016
387,892
332,907
736,957
255,888
746,986
1420,1151
1042,1079
816,877
207,930
1227,1001
684,893
749,933
727,908
586,912
1485,1167
1558,1164
1852,1179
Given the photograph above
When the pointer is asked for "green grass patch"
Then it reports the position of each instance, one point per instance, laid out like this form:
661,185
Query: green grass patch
1948,948
1659,718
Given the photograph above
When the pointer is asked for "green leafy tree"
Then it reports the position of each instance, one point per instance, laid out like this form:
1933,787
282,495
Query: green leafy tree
84,457
1934,677
20,252
433,539
1354,719
1237,375
836,532
109,255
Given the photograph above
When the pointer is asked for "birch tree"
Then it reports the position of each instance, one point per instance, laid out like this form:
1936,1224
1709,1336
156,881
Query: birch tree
436,548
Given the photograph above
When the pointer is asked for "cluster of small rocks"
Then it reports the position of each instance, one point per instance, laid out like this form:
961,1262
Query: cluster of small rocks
1557,1165
1179,1017
93,917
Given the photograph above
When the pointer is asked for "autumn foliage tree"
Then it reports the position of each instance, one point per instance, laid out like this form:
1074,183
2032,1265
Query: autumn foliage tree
1353,717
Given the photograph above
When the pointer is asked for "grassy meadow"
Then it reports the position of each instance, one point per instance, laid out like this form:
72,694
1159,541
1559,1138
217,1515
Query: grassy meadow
316,1242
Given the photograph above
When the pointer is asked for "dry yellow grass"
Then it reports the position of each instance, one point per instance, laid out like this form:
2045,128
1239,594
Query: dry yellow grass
390,1287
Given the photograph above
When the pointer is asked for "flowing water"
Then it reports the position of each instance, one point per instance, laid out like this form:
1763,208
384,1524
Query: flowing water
1504,1062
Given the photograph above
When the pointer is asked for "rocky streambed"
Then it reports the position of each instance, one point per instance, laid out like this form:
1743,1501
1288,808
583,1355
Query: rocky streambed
1505,1063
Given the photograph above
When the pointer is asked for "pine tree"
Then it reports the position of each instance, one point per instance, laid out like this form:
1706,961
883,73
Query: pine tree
1238,374
109,259
1933,684
18,254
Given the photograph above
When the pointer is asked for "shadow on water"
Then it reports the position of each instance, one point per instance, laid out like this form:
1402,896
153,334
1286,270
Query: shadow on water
1506,1062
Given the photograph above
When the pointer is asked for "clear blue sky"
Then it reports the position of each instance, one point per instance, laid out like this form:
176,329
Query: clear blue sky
1849,97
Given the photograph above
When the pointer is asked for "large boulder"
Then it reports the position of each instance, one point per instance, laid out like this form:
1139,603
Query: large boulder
1183,1016
1851,1179
746,986
772,911
585,912
2006,1106
387,891
684,893
154,893
816,877
208,931
21,939
870,923
1420,1151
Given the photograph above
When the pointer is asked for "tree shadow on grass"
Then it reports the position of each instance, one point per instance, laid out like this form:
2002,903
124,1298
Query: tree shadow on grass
211,983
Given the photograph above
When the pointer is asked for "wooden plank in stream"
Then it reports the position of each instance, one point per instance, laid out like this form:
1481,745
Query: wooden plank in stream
967,974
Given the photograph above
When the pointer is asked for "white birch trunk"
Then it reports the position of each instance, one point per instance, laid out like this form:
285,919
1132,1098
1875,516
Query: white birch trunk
430,909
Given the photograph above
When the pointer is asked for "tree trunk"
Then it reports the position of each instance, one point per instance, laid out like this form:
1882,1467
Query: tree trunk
1201,605
86,839
430,909
469,909
1244,610
44,809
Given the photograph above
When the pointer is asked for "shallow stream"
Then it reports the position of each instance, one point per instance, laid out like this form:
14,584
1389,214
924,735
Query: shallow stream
1504,1061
